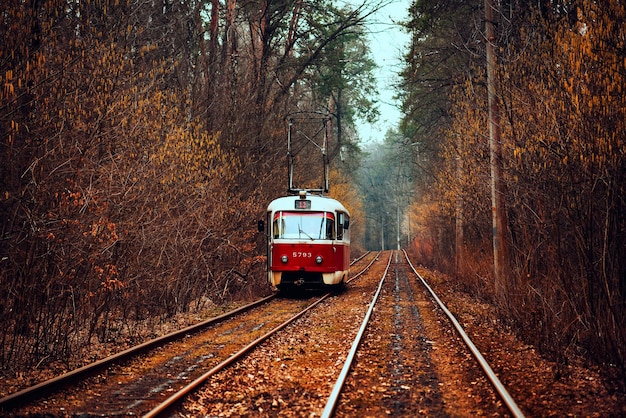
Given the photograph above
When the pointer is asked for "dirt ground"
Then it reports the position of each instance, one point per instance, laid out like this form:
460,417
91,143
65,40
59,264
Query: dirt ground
538,385
540,388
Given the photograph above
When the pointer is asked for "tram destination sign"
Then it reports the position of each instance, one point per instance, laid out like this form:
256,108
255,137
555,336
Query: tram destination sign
303,204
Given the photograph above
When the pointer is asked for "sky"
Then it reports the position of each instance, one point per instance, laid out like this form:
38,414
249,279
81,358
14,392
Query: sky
388,42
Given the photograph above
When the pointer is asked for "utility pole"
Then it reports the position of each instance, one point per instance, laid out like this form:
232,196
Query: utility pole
382,233
498,210
398,225
459,237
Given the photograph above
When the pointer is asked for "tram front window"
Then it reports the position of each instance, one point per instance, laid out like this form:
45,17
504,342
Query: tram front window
304,225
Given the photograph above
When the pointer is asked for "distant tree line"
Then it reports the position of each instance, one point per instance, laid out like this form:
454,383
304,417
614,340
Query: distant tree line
560,77
140,142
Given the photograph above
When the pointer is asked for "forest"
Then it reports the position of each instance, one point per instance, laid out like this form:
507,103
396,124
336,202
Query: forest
141,142
558,79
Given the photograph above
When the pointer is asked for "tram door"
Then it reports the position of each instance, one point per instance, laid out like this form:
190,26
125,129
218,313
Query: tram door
268,233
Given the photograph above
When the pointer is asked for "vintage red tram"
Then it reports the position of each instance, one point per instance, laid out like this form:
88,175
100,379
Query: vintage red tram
308,242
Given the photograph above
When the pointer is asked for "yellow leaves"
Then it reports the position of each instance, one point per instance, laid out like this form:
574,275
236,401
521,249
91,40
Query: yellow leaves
13,131
570,99
420,215
9,89
188,154
345,192
108,276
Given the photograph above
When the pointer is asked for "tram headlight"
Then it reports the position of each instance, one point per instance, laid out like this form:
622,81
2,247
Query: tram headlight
319,259
284,259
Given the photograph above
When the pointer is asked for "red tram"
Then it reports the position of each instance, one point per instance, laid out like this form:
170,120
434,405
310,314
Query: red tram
308,242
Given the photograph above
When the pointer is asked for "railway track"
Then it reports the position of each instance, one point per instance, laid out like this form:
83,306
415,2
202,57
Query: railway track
399,369
292,373
138,379
375,349
406,379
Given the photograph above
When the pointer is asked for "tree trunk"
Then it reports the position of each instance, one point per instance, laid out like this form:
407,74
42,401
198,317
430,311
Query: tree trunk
498,210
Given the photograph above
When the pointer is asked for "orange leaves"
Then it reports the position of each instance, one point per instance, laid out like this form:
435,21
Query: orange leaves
190,155
113,173
345,191
9,89
563,122
108,276
103,231
567,110
7,94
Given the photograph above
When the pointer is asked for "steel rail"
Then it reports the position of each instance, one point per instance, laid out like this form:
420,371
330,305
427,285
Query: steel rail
360,257
331,404
48,386
39,390
169,403
493,378
366,267
178,397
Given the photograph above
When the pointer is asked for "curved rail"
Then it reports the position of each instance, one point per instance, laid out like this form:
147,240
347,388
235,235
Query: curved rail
360,257
172,401
366,267
46,387
496,383
33,392
334,395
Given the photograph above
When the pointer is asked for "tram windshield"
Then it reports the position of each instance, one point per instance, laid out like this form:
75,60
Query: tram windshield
303,225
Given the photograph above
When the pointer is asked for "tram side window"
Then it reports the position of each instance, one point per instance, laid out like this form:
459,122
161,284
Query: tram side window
277,226
330,227
343,223
340,217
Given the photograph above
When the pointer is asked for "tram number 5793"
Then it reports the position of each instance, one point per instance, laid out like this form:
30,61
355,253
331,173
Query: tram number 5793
301,254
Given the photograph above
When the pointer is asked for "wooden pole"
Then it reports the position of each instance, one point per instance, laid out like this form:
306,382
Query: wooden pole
459,239
498,210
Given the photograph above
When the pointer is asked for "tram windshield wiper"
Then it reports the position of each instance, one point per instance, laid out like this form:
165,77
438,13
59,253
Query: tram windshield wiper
301,231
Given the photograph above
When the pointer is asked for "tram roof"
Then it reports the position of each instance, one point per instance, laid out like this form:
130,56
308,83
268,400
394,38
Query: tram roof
318,203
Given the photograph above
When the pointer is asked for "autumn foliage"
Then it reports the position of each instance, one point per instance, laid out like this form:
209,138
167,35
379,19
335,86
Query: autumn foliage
561,77
137,144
